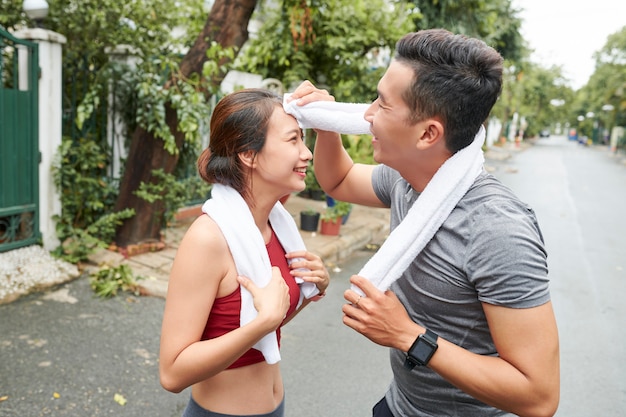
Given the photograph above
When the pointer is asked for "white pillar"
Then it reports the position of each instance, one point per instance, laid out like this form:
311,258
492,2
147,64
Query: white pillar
494,127
50,125
116,127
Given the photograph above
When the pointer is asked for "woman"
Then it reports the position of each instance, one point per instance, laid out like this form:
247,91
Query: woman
256,156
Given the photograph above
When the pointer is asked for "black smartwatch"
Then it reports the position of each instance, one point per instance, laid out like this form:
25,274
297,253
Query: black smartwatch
421,350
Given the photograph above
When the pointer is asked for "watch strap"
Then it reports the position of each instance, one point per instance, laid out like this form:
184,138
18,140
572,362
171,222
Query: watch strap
431,336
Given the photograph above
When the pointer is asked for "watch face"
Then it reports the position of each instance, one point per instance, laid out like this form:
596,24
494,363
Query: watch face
423,350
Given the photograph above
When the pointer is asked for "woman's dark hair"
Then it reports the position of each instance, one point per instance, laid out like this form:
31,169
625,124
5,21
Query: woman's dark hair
455,77
239,124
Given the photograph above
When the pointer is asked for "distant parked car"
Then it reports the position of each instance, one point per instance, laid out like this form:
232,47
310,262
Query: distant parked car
545,133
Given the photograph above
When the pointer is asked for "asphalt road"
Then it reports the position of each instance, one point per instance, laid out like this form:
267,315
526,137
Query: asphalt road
67,353
578,195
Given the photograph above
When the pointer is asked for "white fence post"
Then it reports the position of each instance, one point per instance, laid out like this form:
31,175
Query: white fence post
50,125
116,127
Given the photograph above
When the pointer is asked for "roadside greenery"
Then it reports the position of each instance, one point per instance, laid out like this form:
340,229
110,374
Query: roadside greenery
601,103
87,221
107,281
339,44
174,192
336,212
332,43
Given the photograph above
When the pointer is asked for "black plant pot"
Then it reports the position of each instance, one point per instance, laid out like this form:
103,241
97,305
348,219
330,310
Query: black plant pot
309,221
318,195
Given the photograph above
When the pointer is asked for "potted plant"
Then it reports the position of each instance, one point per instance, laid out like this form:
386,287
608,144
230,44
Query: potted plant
332,218
330,222
309,219
343,208
313,189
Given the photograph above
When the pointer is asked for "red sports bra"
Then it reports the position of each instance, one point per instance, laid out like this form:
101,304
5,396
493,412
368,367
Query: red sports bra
224,315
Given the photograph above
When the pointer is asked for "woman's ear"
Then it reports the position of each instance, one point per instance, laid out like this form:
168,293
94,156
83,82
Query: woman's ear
247,158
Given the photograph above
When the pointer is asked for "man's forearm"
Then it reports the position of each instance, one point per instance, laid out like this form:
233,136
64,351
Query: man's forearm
330,160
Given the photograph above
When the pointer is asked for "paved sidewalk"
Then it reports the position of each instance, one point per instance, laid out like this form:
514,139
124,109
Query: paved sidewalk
365,226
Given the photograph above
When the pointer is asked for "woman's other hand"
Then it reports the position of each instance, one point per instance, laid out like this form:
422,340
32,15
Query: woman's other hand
310,268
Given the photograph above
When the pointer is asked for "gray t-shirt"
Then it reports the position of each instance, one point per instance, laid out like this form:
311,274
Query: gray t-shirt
489,250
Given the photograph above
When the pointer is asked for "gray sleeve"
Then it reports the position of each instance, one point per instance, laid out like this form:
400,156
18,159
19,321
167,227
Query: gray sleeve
506,258
383,179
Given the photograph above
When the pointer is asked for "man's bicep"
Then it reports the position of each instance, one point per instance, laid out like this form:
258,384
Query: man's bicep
357,187
527,338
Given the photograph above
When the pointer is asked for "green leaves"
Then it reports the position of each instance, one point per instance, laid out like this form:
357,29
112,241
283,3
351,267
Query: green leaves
86,222
108,280
333,47
174,192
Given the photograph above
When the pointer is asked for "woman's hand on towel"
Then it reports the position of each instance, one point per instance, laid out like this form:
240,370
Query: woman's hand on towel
307,93
271,301
310,268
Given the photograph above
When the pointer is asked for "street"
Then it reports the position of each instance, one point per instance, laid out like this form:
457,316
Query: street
66,353
578,195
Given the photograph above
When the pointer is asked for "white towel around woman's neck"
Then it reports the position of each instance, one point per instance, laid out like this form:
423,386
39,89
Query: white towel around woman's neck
231,213
431,208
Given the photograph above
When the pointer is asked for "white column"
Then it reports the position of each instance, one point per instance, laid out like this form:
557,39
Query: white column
116,127
50,125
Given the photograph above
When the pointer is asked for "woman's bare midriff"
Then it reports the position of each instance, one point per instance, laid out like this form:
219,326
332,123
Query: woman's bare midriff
252,389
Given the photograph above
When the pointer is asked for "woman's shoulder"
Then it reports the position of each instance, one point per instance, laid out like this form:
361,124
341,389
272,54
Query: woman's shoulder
205,235
202,257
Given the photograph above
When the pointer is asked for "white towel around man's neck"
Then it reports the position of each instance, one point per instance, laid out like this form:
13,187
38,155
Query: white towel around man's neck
231,213
426,215
430,210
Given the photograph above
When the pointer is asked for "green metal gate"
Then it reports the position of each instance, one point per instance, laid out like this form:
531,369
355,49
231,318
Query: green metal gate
19,148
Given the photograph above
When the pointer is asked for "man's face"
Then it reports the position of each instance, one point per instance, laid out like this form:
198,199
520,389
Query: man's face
393,136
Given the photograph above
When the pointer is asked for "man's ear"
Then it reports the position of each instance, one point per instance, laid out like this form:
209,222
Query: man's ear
247,158
432,132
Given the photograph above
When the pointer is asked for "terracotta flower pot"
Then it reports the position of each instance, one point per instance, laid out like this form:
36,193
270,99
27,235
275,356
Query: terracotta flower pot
330,227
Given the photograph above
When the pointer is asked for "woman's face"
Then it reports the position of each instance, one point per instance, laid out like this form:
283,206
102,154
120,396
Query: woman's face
282,163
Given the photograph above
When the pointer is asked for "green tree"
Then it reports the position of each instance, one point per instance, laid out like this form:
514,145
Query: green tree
90,26
542,89
540,95
166,94
605,93
494,21
12,16
225,26
332,43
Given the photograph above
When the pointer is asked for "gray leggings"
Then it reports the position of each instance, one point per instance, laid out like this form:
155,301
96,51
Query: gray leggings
195,410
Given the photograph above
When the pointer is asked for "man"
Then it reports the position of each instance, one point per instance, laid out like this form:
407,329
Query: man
470,322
